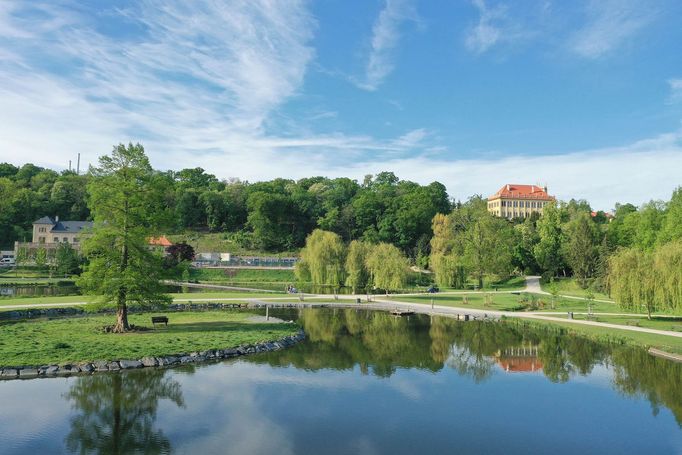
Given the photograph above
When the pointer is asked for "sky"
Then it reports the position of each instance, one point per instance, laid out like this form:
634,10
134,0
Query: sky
583,96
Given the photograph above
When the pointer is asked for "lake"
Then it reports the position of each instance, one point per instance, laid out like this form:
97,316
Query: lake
368,383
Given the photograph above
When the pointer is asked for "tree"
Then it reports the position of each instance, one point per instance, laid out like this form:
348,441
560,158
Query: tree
40,257
126,198
488,247
387,266
632,279
581,247
672,225
324,257
548,249
357,275
67,261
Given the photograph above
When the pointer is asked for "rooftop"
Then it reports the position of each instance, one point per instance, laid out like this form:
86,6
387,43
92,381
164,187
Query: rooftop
64,226
513,190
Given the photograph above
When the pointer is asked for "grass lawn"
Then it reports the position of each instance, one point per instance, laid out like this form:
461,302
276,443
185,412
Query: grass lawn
569,286
40,342
243,275
220,242
673,323
509,302
194,296
662,342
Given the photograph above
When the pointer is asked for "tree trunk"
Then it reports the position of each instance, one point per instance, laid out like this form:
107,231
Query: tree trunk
480,282
121,305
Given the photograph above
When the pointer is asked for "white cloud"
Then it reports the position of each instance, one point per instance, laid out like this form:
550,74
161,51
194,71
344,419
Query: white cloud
675,90
611,23
484,35
495,26
385,37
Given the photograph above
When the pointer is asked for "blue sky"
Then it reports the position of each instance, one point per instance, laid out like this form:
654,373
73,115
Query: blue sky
585,96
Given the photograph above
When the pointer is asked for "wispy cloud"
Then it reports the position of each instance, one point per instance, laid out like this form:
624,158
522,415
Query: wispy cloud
675,90
385,37
495,26
610,24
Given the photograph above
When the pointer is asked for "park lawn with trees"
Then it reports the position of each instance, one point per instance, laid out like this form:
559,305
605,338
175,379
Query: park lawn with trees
269,276
571,286
70,340
609,335
179,297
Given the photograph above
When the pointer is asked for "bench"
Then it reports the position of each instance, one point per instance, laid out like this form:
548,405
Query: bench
159,320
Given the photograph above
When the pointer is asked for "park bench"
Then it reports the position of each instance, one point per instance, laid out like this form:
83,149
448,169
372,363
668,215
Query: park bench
159,320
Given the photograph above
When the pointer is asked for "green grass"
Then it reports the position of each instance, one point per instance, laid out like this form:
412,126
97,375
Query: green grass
569,286
220,242
511,302
175,296
662,342
243,275
672,323
40,342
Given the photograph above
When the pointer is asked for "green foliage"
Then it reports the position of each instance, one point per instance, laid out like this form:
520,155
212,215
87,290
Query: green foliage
548,250
388,267
488,247
580,247
357,275
127,201
67,260
323,259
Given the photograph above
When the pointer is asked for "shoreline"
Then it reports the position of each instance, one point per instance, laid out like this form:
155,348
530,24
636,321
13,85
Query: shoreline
103,366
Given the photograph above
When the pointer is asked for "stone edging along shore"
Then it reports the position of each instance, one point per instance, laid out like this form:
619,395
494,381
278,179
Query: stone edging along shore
30,372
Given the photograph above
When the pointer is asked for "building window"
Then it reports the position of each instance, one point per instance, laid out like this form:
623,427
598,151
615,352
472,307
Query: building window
56,240
41,239
42,229
66,239
75,240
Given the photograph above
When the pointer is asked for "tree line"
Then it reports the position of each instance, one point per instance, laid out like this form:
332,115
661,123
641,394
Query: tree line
275,215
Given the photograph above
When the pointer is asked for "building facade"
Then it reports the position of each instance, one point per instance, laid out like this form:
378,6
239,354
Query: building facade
519,201
49,230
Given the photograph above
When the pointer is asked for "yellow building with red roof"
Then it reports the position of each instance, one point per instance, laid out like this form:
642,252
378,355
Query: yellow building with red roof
519,201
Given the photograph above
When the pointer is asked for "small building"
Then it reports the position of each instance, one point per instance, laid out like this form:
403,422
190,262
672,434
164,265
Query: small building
519,201
49,230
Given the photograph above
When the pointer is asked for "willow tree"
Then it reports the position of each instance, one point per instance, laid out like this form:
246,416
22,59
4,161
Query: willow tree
357,275
668,267
323,258
127,201
388,267
444,261
632,279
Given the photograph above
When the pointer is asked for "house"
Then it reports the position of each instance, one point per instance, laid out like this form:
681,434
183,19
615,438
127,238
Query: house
49,230
519,201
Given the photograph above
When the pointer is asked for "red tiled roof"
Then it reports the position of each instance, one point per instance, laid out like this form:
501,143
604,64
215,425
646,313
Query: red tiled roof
522,192
160,241
519,364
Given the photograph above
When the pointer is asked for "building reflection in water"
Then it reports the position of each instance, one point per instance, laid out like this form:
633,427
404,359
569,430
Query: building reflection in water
519,359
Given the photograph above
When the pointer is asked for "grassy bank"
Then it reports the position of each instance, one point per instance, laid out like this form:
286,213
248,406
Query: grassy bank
510,302
221,242
662,342
179,297
41,342
570,286
243,275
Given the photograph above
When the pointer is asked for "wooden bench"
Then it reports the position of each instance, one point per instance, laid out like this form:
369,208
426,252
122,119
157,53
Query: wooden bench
159,320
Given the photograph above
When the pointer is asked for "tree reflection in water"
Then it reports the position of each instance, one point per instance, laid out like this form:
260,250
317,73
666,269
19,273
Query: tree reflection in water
379,344
116,412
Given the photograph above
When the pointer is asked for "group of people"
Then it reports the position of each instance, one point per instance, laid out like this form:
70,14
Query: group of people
291,289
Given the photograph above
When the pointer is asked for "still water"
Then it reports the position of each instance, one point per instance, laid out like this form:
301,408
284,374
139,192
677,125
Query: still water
367,383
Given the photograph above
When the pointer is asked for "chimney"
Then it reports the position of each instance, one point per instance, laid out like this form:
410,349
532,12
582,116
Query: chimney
56,219
545,188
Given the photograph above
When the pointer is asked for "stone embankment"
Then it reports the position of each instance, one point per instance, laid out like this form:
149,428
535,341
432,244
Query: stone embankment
30,372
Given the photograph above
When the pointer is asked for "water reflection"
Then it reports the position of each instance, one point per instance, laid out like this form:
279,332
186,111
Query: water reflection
358,382
115,413
379,344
